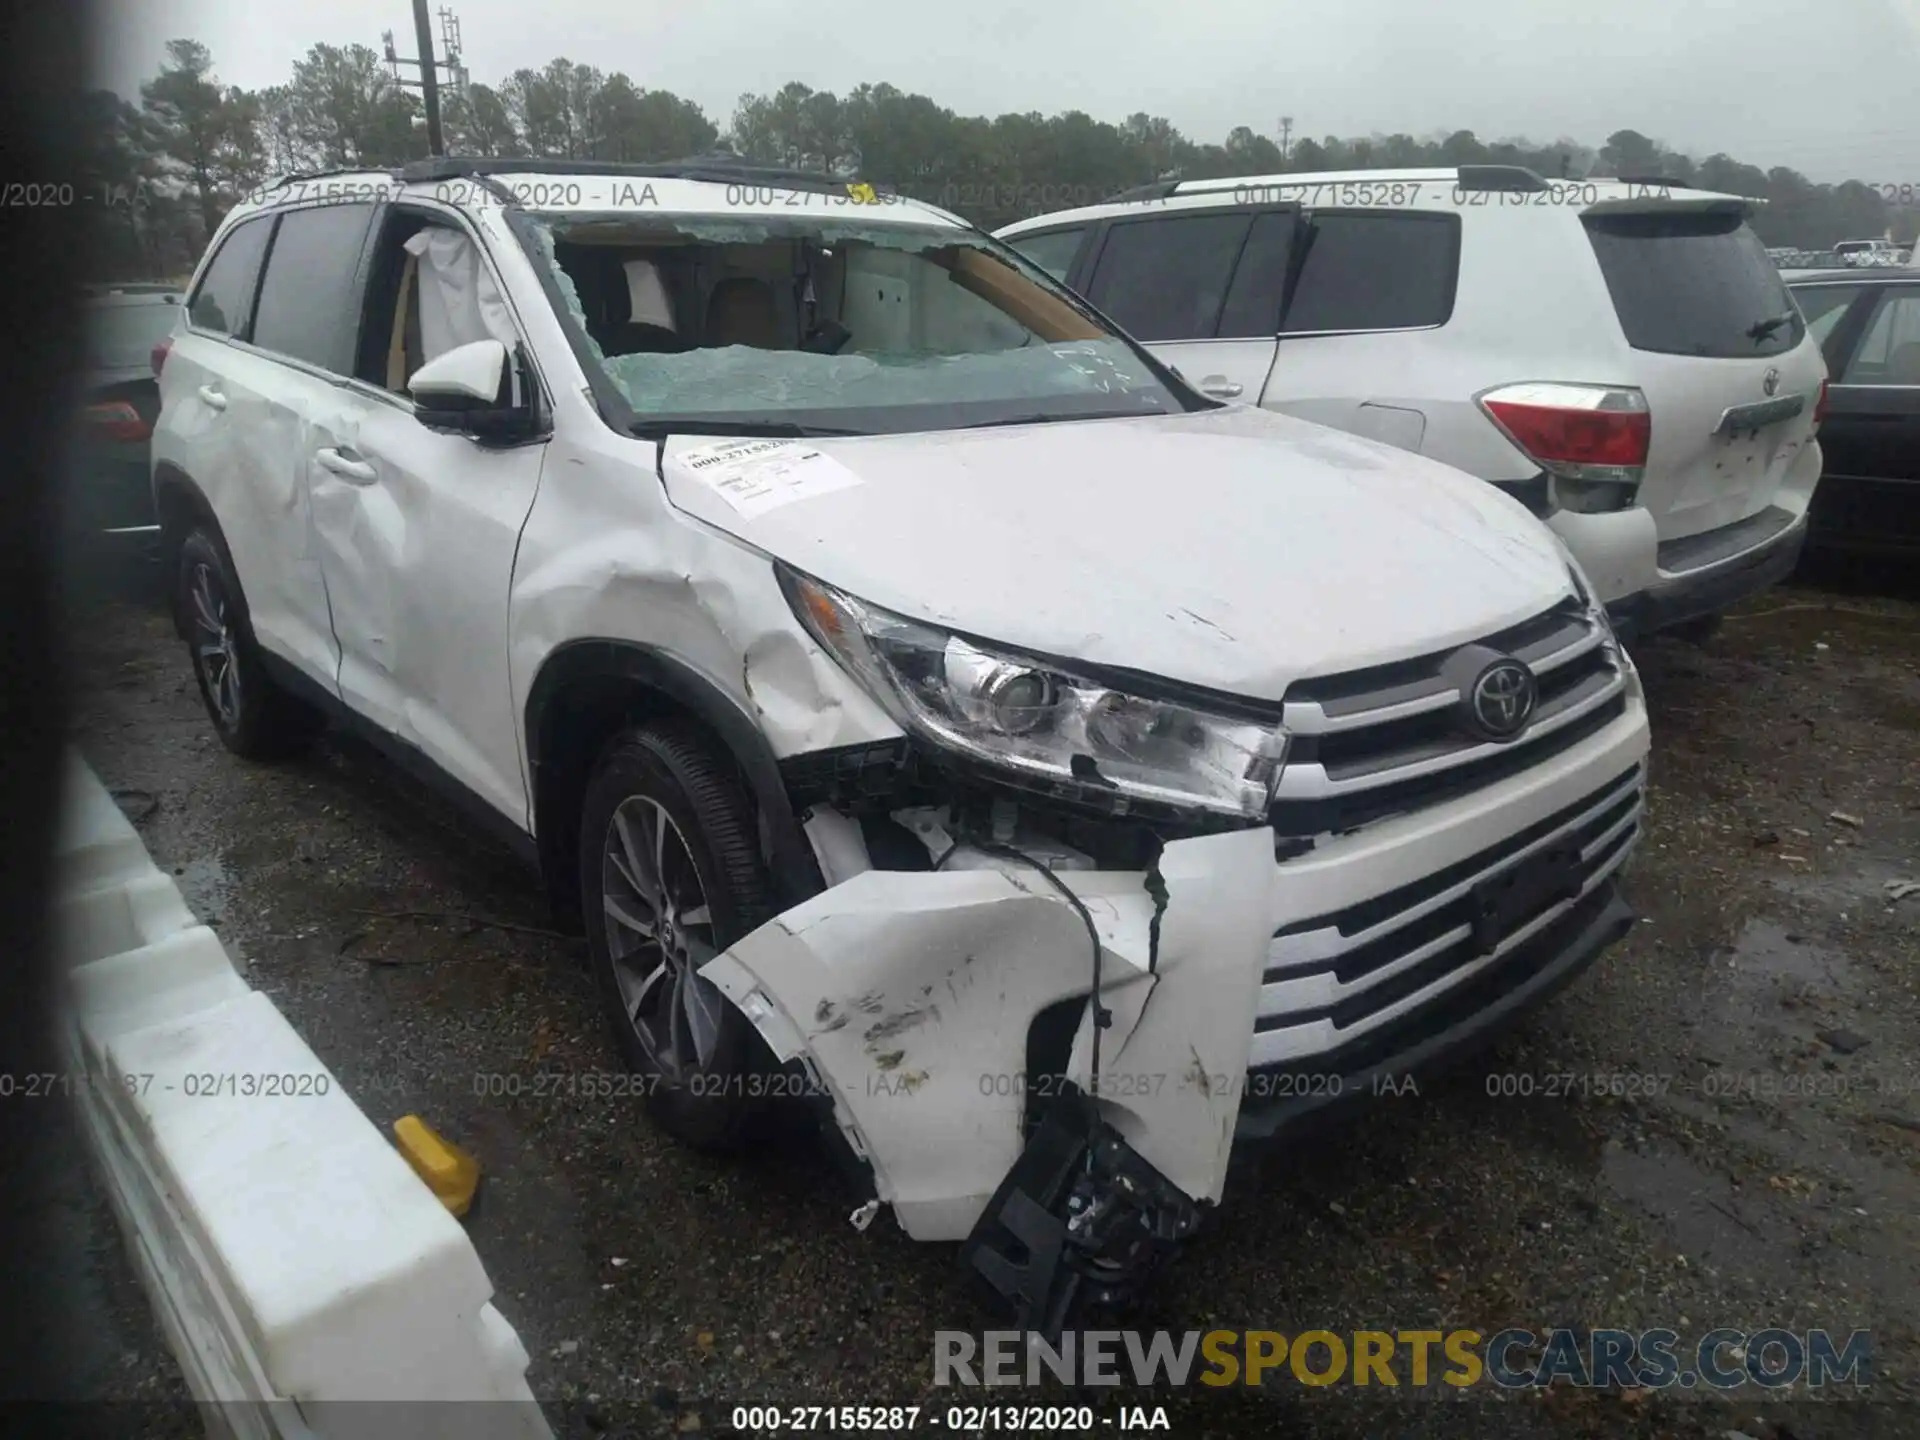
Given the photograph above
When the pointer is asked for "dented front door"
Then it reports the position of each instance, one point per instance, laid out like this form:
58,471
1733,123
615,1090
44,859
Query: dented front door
417,531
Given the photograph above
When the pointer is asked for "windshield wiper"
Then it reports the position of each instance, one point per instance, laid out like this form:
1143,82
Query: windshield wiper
661,427
1054,418
1762,329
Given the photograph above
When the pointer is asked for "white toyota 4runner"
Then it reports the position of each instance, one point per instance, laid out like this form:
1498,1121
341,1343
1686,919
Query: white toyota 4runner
946,721
1621,355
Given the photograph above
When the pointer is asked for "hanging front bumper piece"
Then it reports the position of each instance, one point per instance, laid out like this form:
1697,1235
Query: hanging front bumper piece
945,1015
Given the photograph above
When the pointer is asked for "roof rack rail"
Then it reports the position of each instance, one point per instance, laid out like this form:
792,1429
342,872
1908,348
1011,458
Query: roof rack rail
1499,177
721,168
1667,180
1156,190
302,176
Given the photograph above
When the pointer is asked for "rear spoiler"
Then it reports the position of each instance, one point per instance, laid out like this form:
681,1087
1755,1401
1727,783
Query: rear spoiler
1656,202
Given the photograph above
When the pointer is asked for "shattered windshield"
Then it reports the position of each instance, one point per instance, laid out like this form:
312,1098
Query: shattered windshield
865,328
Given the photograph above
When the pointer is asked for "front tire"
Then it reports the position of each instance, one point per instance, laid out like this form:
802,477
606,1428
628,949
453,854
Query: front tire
671,875
253,716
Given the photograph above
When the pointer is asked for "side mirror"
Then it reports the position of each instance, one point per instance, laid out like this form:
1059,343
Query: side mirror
470,390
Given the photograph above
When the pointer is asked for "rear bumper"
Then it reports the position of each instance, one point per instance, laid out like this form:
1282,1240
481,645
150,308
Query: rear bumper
1711,588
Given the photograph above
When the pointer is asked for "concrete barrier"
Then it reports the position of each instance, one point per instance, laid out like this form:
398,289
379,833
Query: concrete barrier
307,1280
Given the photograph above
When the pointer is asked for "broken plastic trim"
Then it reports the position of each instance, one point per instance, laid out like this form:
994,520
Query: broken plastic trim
1102,1017
1081,1219
906,991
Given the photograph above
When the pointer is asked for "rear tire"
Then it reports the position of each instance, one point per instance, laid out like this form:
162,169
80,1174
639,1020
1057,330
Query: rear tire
670,875
252,715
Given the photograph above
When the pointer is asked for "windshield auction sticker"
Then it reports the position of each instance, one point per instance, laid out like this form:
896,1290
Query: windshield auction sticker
755,476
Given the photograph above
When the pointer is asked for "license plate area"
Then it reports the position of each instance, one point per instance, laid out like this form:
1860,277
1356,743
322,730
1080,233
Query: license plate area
1503,903
1748,421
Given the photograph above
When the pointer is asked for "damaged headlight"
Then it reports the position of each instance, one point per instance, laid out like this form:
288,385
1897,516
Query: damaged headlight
1043,723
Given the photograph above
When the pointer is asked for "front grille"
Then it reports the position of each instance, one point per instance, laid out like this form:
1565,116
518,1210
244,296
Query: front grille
1335,976
1383,741
1455,1005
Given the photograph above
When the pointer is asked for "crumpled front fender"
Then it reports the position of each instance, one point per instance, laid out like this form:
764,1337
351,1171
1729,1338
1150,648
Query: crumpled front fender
909,996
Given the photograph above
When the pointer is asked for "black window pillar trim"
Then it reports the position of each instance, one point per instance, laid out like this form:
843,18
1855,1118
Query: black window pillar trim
607,399
790,858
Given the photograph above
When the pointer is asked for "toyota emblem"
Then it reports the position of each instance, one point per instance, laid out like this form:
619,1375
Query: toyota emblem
1501,700
1772,382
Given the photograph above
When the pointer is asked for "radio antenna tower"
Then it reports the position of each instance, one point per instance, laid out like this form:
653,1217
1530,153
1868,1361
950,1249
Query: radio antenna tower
427,68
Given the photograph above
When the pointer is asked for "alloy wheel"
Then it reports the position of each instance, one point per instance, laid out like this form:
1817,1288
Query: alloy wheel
214,644
659,929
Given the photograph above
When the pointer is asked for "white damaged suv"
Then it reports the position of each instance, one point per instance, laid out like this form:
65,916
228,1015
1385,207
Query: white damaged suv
946,722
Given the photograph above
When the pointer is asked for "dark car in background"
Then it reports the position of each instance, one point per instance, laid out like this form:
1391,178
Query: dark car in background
107,502
1868,326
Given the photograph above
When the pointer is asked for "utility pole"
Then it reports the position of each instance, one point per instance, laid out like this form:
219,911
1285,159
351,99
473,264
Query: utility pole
428,67
429,81
1286,138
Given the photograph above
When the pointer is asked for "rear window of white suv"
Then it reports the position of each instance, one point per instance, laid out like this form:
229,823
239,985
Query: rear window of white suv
1694,283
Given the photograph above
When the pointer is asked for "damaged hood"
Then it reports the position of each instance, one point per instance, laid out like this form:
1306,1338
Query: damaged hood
1232,549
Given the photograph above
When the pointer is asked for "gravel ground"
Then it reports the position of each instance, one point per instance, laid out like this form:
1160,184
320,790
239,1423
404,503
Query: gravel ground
655,1288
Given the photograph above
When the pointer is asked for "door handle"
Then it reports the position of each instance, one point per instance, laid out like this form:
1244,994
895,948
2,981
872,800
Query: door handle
1220,387
356,472
212,398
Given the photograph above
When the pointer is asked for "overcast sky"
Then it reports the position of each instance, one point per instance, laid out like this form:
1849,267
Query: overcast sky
1828,88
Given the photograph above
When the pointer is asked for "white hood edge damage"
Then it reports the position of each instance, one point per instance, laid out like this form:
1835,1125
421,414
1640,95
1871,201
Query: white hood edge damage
1234,550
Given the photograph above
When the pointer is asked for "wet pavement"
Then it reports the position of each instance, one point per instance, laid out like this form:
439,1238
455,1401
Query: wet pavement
1763,1169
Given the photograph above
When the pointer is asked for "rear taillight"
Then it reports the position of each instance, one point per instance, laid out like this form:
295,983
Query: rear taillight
158,358
116,420
1820,407
1592,440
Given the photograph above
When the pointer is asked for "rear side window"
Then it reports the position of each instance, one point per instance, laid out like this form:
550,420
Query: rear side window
308,307
1376,272
1694,284
225,294
1824,306
1052,252
1166,279
1889,353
